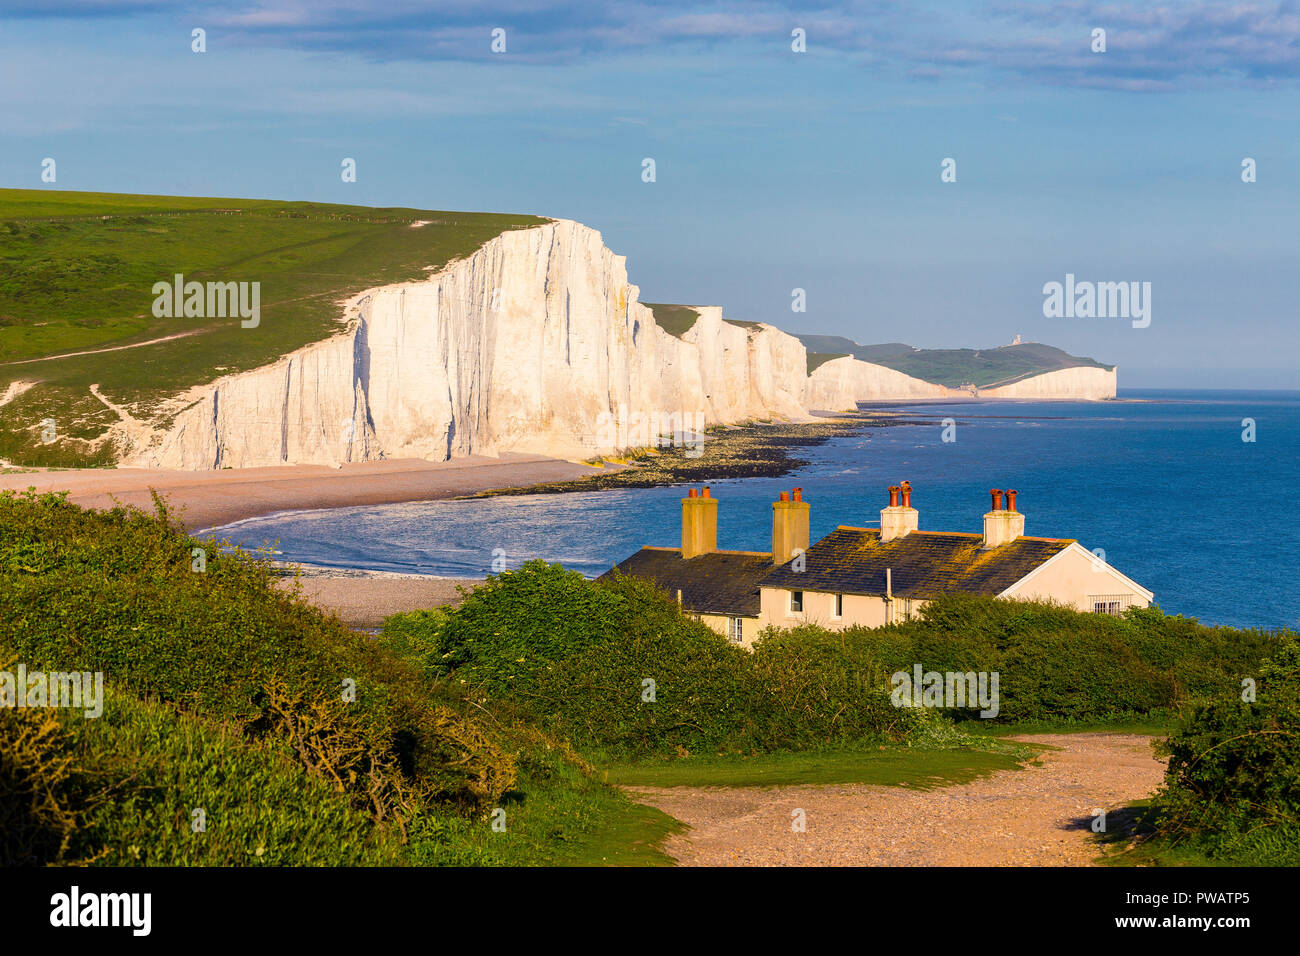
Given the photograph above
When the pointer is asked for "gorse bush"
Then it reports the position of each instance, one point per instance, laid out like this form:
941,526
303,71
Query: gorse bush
1233,783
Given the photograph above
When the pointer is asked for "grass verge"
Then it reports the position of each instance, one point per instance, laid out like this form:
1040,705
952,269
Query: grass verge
881,766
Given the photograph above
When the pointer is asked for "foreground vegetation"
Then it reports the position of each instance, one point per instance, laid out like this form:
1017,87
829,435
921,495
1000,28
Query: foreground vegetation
1232,792
242,726
228,697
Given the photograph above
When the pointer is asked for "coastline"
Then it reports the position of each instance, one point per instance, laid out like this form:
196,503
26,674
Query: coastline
205,499
753,450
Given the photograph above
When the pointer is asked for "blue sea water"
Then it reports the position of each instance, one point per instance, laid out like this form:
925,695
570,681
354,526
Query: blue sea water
1161,480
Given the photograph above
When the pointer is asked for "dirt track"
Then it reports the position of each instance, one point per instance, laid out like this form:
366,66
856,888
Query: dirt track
1038,816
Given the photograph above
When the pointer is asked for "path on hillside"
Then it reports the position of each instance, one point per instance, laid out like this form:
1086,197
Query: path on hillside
1037,816
110,348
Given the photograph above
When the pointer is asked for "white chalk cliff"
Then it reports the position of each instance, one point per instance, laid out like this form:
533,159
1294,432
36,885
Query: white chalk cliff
534,343
1081,382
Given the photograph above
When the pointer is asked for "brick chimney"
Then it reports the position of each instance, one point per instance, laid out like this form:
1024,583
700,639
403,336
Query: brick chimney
1002,525
789,526
898,520
699,523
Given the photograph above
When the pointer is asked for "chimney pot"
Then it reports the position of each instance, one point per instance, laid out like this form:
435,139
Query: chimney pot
705,492
789,526
1002,526
699,524
897,521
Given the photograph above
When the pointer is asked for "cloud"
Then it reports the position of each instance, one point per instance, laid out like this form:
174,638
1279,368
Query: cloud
1171,45
1174,45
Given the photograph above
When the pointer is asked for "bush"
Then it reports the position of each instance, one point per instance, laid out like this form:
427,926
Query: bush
1233,781
238,669
1054,663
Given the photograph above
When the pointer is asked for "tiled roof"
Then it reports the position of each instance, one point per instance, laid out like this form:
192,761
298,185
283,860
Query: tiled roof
922,564
721,582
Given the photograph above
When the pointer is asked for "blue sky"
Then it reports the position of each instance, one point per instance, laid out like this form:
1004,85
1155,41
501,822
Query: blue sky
775,169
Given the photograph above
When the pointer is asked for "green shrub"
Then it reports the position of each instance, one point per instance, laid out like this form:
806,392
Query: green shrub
217,652
1233,783
1054,663
521,621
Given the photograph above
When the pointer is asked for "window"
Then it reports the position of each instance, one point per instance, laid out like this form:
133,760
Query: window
1110,603
736,630
796,602
839,605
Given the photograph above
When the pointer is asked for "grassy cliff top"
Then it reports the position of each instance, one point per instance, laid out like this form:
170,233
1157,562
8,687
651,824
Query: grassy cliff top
676,320
77,271
951,367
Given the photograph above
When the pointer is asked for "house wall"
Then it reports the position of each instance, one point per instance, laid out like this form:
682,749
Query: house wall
860,610
721,624
1074,578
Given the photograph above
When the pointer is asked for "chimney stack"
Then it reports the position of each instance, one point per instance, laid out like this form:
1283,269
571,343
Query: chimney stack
699,523
898,520
1002,526
789,526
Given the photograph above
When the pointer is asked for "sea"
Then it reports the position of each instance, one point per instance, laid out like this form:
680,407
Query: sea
1193,494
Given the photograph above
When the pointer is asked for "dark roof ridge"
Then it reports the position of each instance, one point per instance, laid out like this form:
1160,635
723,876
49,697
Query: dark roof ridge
659,547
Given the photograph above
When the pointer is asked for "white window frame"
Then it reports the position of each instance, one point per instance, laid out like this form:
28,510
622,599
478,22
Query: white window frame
837,610
736,630
792,610
1113,604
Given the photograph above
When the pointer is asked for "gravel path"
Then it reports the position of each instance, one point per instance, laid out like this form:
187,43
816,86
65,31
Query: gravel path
1037,816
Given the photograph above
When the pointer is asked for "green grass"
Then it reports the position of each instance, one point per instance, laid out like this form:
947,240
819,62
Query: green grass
817,359
676,320
1152,726
77,272
560,815
882,766
838,344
